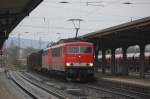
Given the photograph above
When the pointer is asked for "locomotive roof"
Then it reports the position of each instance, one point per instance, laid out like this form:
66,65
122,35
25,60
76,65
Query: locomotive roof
70,44
78,43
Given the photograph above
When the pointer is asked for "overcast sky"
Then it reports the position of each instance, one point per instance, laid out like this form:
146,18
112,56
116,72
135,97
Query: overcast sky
50,17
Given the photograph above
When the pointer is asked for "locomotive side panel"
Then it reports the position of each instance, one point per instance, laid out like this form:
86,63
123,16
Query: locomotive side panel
58,58
49,59
45,60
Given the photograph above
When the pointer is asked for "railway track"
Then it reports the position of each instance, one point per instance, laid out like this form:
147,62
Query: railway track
47,86
115,93
123,89
33,90
120,92
73,89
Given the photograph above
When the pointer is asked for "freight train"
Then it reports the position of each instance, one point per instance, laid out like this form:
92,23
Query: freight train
72,59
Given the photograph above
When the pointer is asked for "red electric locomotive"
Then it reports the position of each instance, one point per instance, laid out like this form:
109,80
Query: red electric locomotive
74,59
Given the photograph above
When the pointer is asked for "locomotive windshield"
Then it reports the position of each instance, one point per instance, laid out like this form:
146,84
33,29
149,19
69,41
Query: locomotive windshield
80,49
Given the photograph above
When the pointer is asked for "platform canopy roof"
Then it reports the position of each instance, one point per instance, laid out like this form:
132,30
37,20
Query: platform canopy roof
11,13
124,35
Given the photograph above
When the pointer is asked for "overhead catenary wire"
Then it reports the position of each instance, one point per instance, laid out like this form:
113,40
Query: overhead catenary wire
86,20
95,10
81,13
33,26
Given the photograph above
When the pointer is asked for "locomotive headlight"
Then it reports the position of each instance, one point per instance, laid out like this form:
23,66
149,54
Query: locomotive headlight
68,64
91,64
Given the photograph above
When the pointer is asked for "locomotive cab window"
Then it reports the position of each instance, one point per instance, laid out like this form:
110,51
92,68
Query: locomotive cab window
85,49
73,49
79,49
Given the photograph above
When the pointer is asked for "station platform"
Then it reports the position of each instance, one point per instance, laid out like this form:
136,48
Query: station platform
8,90
126,82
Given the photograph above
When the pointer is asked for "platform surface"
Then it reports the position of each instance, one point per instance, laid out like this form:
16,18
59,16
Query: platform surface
125,80
8,90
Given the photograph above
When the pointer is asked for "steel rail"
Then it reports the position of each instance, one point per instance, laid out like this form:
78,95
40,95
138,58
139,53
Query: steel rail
26,91
114,91
45,89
